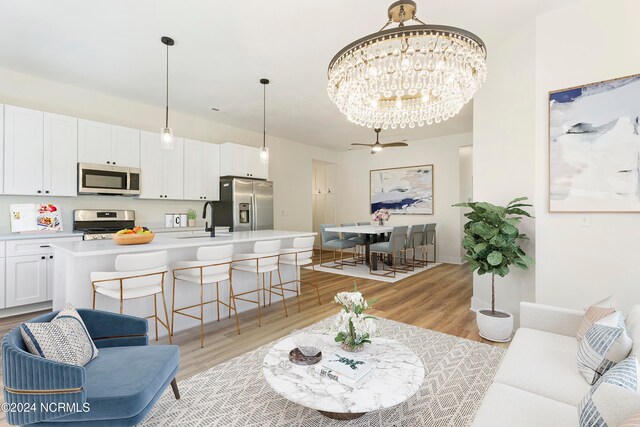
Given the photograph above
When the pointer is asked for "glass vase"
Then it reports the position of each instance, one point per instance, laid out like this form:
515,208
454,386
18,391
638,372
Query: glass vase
352,348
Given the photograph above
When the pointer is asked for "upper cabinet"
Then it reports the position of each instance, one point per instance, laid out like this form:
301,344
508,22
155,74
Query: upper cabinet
40,153
102,143
161,175
243,161
201,172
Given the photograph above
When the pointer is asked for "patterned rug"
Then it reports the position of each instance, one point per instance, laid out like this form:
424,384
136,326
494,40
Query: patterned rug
234,393
362,271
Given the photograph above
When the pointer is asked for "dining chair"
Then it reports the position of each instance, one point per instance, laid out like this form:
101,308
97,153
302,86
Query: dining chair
357,238
395,248
430,239
135,276
332,241
414,242
212,266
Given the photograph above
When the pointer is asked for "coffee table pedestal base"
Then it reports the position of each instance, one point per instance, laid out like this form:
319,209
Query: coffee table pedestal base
342,415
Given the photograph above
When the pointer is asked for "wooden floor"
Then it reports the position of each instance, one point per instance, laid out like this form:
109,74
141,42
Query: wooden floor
436,299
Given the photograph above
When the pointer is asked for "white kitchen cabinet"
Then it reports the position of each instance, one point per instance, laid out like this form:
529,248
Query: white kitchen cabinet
23,157
125,146
60,162
3,303
103,143
51,271
162,171
201,170
26,280
241,160
1,148
40,153
212,172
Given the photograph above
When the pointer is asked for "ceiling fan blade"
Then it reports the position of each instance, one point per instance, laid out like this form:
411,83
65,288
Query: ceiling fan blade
395,144
364,145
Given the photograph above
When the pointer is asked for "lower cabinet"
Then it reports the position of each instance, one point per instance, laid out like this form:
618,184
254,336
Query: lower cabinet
3,303
27,279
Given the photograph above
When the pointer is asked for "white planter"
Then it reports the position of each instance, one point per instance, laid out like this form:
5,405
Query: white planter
495,328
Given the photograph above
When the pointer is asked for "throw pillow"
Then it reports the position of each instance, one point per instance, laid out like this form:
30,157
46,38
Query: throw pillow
615,399
64,339
605,344
594,313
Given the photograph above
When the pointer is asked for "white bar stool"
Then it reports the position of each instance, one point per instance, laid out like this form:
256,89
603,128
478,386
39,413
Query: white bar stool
136,276
212,265
299,255
264,259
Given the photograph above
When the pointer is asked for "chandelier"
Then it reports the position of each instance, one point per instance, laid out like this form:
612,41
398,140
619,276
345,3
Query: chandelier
407,75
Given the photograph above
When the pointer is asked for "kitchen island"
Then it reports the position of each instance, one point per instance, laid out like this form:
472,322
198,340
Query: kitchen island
76,260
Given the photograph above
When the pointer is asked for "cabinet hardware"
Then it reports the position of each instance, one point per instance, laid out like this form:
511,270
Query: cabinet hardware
114,163
47,191
108,162
45,246
50,256
43,257
39,191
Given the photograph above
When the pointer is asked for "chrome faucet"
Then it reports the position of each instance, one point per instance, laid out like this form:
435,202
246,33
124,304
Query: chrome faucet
212,229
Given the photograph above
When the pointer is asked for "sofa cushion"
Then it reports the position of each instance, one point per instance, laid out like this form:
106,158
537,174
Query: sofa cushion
615,398
506,406
633,327
605,344
63,339
545,364
124,380
594,313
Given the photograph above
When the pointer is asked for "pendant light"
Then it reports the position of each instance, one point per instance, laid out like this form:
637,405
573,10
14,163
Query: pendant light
166,133
264,151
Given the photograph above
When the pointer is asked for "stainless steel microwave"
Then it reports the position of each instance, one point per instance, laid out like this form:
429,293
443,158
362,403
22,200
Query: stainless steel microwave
106,179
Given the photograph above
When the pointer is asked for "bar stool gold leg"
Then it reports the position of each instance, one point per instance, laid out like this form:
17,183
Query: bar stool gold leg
258,293
173,306
283,300
235,310
297,287
313,268
155,313
270,285
201,315
218,299
166,315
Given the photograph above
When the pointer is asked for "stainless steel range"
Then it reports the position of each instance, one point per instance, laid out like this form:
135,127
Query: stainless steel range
102,224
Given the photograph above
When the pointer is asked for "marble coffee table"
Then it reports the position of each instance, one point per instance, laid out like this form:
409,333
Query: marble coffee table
398,376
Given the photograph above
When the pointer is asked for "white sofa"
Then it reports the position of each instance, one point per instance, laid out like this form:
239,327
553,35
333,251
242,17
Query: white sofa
538,383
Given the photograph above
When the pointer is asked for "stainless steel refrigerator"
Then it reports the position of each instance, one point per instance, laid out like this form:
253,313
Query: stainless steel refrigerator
245,204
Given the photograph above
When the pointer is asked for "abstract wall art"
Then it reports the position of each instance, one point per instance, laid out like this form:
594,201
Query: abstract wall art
406,190
594,147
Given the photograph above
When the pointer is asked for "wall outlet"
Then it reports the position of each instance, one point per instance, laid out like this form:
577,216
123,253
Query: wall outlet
584,221
282,212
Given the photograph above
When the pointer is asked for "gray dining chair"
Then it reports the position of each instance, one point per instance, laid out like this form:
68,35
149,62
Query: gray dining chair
395,248
332,241
430,239
415,242
357,238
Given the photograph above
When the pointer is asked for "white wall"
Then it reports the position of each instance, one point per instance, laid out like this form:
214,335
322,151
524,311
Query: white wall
465,157
443,153
585,42
503,152
289,159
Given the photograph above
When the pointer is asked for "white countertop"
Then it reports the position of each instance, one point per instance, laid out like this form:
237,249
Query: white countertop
165,242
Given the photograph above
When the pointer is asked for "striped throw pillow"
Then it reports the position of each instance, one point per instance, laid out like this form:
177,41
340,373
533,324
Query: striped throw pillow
605,344
594,313
64,339
615,399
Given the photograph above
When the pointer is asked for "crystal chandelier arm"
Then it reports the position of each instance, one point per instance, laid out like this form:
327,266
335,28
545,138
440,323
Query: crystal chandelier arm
415,18
386,25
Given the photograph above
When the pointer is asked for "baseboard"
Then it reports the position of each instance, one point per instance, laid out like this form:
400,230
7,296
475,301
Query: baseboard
451,260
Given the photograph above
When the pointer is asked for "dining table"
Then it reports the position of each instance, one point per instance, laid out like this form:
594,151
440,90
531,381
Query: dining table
371,233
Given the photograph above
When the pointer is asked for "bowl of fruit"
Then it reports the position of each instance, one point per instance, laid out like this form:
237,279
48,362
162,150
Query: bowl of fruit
133,236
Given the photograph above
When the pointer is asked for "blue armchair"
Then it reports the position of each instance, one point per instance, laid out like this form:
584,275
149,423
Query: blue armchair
117,388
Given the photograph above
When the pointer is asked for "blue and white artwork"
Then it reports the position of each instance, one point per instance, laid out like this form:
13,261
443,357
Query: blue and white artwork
594,147
403,190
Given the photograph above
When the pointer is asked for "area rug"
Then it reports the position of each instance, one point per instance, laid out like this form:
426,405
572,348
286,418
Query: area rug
362,271
232,394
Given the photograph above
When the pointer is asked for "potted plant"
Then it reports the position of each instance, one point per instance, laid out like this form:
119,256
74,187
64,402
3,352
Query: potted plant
191,218
354,328
381,215
491,242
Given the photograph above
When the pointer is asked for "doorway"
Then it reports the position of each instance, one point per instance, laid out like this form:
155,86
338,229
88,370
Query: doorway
324,190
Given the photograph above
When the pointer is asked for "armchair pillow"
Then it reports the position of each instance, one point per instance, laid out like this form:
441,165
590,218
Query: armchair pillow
64,339
605,344
615,399
594,313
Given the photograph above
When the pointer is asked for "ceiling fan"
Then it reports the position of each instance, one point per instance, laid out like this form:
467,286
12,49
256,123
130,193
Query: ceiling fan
378,146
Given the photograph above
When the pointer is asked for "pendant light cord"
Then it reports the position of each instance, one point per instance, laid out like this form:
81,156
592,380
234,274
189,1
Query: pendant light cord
167,86
264,115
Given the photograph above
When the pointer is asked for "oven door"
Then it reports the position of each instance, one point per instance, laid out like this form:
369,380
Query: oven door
102,179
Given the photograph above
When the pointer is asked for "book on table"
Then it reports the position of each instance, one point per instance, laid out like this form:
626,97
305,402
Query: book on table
347,369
